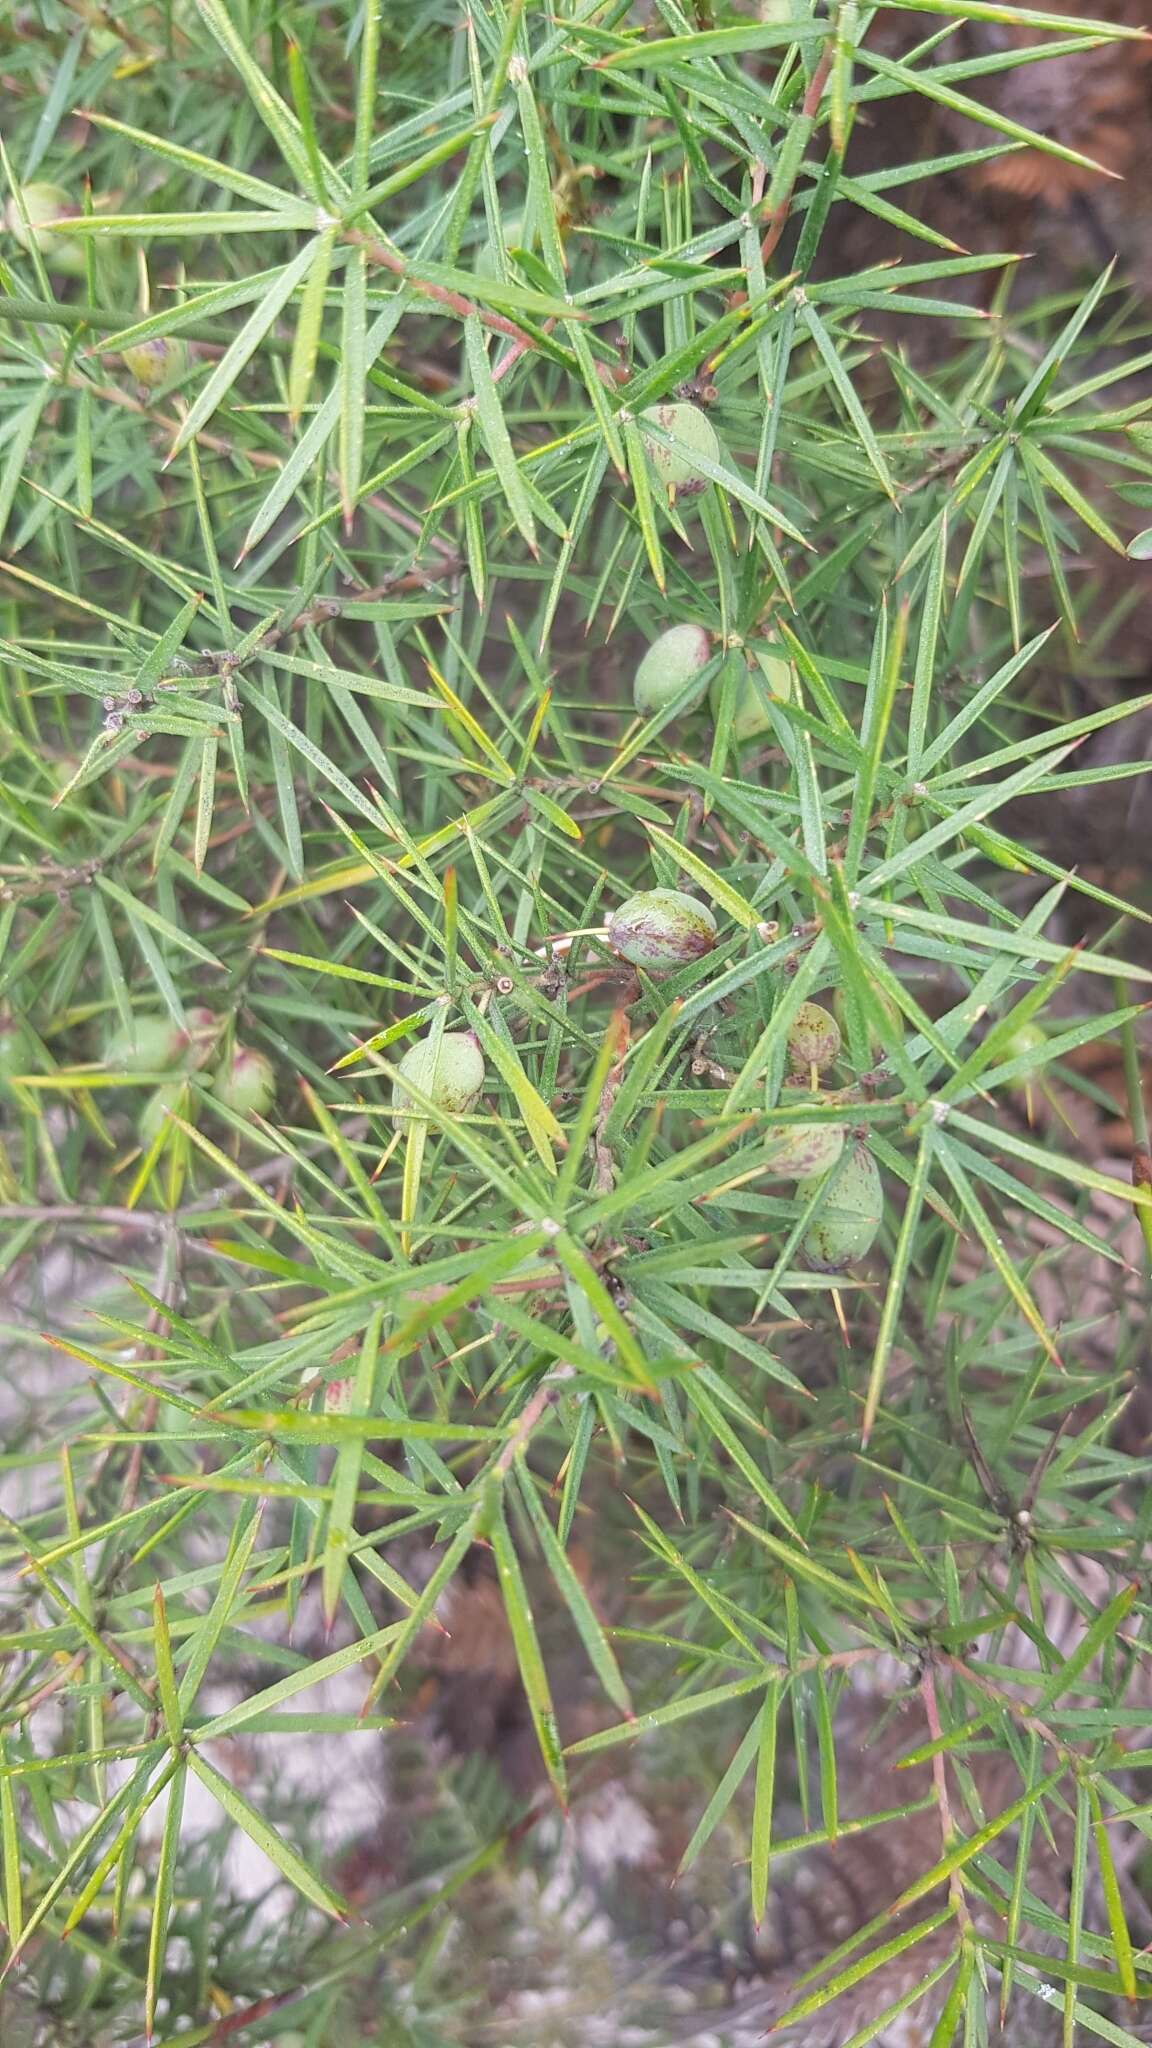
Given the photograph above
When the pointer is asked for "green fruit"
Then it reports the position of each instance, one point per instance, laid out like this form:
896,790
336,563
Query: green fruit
749,712
246,1083
1026,1040
694,430
670,664
153,1116
661,929
846,1225
44,204
813,1039
157,361
804,1151
450,1074
152,1044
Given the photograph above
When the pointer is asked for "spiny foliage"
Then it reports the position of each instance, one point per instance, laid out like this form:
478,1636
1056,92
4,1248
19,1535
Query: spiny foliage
392,379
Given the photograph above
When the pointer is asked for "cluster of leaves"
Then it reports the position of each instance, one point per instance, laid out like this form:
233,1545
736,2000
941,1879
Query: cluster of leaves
315,713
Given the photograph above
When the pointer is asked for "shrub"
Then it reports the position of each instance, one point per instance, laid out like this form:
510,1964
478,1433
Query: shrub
379,385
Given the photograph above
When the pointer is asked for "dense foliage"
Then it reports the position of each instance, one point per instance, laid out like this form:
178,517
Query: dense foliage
378,385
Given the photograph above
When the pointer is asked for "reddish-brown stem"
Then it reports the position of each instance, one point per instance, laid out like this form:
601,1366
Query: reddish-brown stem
513,355
385,258
940,1783
808,112
546,1393
939,1774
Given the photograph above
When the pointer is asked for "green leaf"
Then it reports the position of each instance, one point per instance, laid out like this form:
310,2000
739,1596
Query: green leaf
652,54
721,892
143,914
842,384
237,356
291,1866
662,1717
765,1797
910,79
163,1889
858,1972
724,1793
242,183
302,367
346,1475
533,1676
575,1596
282,125
494,433
220,1614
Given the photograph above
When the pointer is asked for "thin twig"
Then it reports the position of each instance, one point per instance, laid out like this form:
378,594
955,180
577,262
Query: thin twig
385,258
605,1164
940,1784
546,1394
778,220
